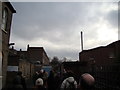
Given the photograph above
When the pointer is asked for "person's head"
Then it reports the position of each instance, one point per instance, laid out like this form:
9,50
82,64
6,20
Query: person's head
87,81
51,73
39,82
41,71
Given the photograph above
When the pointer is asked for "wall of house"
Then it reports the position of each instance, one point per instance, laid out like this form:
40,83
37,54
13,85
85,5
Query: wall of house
5,42
0,46
27,69
38,54
12,67
32,70
100,56
24,66
45,59
14,60
105,64
35,55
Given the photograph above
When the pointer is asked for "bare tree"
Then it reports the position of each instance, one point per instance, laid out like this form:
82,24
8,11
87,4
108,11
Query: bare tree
55,63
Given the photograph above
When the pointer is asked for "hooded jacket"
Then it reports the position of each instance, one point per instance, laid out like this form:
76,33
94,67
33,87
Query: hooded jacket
67,81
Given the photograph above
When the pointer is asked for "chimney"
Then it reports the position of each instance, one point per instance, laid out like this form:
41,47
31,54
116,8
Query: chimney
27,47
81,40
20,49
12,47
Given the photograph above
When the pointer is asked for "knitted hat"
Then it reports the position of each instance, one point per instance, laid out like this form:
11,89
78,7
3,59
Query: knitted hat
70,79
39,81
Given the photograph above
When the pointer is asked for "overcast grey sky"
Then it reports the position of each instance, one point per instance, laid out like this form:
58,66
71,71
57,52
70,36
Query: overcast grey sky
56,26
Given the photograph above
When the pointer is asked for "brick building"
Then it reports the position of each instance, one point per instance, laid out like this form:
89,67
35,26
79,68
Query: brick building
25,65
104,63
26,61
37,55
6,13
17,61
78,68
104,55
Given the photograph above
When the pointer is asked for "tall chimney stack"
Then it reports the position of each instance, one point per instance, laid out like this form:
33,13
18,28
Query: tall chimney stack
81,40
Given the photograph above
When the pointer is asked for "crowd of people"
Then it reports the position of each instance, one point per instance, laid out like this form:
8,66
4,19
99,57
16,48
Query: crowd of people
54,81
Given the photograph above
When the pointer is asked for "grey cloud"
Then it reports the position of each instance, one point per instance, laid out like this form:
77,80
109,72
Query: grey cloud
64,53
112,18
47,18
50,17
58,23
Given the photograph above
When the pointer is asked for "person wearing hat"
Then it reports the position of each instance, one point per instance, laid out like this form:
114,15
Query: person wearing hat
69,82
87,82
39,84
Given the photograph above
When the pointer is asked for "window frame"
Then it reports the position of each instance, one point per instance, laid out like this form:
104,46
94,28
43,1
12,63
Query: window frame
4,19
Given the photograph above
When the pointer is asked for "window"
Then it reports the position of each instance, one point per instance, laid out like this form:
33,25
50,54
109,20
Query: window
4,19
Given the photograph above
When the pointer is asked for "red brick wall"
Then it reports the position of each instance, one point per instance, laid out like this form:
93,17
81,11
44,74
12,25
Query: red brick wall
5,39
35,54
101,55
38,54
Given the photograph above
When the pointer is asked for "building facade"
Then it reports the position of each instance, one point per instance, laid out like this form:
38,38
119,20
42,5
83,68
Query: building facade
104,55
104,63
25,65
37,55
7,11
26,61
17,61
